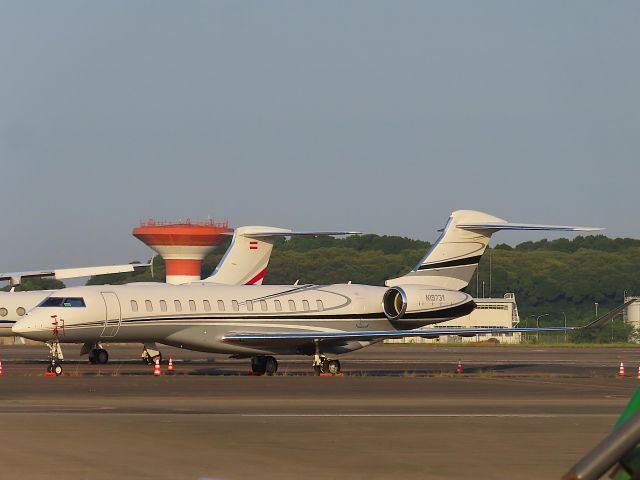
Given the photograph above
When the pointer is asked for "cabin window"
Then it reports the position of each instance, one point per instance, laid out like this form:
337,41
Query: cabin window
148,305
207,305
20,311
249,304
163,305
134,305
192,305
305,305
4,312
278,305
177,305
292,305
221,305
263,305
319,305
234,305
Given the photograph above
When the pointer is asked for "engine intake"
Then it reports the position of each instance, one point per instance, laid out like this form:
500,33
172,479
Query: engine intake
394,303
420,302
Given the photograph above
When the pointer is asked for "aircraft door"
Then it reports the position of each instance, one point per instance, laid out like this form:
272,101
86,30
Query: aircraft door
113,314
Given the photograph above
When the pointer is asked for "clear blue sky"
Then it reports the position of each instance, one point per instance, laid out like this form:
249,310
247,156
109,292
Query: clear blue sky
377,116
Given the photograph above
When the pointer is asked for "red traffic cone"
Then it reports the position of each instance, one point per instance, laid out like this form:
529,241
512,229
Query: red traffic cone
459,369
170,367
156,368
638,372
621,370
1,371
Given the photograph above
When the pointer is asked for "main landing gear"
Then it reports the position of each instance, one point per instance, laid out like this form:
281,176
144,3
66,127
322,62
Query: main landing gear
97,353
150,353
322,364
264,365
55,358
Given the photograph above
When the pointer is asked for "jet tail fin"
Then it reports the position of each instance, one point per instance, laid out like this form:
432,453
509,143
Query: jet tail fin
245,261
453,259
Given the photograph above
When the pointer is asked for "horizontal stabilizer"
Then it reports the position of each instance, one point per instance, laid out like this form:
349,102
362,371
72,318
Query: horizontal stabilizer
526,226
245,261
453,258
299,234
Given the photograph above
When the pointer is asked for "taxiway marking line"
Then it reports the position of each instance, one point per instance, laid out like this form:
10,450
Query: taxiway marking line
424,415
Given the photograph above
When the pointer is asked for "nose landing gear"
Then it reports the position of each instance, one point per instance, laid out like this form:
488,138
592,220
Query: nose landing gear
55,358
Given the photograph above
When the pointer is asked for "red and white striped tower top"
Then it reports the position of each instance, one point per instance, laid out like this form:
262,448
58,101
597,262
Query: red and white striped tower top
182,245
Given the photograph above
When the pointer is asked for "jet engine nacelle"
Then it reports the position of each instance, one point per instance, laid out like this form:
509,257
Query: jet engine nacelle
414,301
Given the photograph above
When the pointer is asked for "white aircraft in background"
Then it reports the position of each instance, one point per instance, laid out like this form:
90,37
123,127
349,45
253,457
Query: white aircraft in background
244,263
14,305
261,321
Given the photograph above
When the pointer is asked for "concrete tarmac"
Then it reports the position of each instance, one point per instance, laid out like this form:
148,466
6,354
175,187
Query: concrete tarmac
399,411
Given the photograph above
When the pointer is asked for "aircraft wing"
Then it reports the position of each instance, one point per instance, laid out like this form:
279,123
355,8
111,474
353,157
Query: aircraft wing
15,278
268,338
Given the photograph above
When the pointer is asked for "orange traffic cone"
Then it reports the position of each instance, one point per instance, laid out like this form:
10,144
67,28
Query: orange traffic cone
2,372
621,370
459,369
170,367
638,372
156,368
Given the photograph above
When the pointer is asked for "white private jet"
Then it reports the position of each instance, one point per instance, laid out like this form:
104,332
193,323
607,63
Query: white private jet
261,321
14,305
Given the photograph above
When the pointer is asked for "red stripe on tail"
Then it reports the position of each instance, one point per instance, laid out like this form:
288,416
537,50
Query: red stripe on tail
258,277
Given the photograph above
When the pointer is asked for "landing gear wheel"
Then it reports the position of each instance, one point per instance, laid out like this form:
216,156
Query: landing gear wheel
271,365
101,356
259,365
333,367
55,358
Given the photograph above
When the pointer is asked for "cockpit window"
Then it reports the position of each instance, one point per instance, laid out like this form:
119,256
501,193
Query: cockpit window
63,302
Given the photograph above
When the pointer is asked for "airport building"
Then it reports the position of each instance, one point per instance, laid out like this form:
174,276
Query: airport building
631,315
489,313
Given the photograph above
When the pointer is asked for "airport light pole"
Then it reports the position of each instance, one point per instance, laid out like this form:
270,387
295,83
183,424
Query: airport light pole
526,335
565,327
538,324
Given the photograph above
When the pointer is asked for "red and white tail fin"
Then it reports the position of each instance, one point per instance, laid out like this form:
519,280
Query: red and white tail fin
453,259
245,261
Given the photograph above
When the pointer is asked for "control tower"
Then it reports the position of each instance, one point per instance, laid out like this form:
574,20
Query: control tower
182,245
